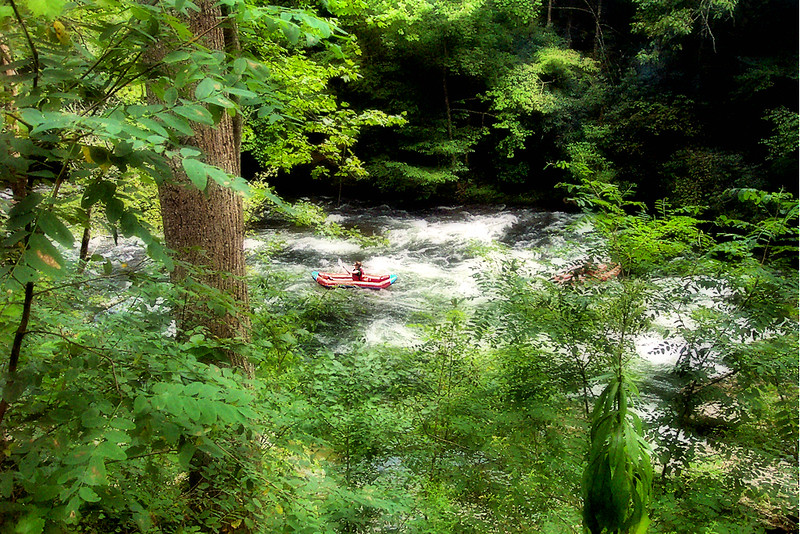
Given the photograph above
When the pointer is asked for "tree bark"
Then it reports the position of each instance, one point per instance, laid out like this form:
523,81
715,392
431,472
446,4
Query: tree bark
448,112
206,228
598,32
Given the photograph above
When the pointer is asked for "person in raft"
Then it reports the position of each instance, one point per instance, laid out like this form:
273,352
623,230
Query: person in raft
357,272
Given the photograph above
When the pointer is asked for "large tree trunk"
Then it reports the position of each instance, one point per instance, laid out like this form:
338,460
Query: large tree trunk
206,228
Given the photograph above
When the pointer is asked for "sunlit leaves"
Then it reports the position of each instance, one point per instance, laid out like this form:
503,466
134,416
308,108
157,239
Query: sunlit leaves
87,115
46,8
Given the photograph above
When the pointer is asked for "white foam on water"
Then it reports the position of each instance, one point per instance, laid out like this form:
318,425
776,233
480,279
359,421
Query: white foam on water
388,332
325,246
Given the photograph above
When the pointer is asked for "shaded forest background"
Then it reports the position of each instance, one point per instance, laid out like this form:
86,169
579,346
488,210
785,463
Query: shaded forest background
504,99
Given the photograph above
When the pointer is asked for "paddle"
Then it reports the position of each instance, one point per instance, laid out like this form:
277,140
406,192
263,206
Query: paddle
341,264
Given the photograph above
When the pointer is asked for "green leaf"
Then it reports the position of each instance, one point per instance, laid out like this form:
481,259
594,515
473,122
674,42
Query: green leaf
154,127
111,451
188,152
171,96
95,473
239,66
30,524
191,408
185,454
122,424
157,251
53,227
6,484
196,171
176,123
25,205
205,88
291,31
139,404
176,56
42,255
80,455
180,28
114,209
46,8
196,113
88,494
102,190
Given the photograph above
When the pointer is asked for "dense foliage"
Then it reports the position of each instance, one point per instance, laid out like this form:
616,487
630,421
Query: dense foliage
519,413
682,99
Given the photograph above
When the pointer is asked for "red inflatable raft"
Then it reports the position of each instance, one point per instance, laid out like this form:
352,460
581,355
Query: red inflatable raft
368,281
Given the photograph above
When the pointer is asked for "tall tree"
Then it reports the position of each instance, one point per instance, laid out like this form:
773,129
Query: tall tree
206,226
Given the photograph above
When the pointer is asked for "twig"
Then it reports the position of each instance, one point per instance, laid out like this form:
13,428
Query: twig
145,455
16,348
34,52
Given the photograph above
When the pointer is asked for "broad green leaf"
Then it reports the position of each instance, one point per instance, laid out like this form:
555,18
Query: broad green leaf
176,123
95,473
122,424
139,404
114,209
26,204
180,28
96,191
291,31
205,88
91,418
176,56
46,8
30,524
111,451
196,171
154,126
188,152
129,224
171,96
24,274
185,454
53,227
238,91
157,251
80,455
6,484
88,494
42,255
196,113
21,221
208,412
110,127
191,408
239,66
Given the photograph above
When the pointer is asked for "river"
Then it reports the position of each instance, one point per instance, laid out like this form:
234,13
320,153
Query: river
436,254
